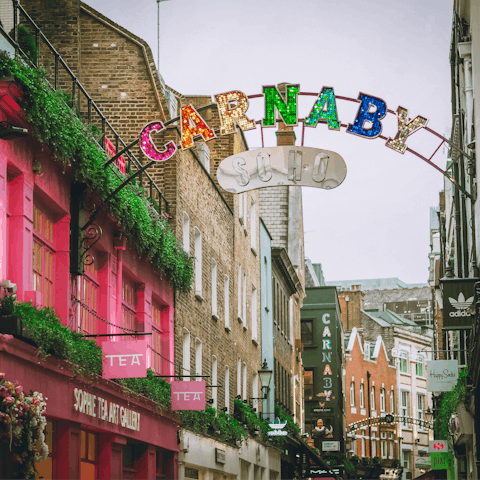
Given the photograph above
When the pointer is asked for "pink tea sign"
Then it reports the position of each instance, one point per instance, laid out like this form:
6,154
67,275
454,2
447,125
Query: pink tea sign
188,395
124,359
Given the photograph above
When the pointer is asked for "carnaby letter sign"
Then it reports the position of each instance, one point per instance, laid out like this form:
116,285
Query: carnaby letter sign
271,167
124,359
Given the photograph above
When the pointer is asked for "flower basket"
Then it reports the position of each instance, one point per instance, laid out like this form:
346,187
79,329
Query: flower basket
22,426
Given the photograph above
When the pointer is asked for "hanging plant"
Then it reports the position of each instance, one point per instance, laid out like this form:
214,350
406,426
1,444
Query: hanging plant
22,426
71,142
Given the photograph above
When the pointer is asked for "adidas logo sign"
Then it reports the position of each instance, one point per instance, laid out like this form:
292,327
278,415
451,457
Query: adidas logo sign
461,305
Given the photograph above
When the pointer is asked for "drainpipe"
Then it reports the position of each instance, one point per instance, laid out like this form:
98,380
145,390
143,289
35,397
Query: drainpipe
369,414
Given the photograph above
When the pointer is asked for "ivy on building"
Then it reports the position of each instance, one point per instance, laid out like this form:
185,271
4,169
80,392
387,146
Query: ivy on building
71,142
450,402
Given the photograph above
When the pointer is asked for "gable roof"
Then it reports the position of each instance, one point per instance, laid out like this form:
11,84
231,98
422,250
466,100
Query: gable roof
379,344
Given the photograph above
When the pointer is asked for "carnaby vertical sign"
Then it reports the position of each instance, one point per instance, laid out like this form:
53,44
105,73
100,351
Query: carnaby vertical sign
323,357
458,298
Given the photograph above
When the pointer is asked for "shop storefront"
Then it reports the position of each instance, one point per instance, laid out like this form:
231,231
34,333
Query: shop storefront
95,430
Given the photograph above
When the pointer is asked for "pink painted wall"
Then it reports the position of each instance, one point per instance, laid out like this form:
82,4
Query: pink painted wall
20,188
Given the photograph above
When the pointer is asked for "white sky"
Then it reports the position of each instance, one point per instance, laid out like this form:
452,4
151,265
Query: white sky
376,224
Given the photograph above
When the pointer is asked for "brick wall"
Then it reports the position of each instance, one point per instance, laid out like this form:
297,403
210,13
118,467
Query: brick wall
355,305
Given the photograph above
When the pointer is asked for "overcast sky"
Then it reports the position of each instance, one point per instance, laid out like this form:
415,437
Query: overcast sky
376,224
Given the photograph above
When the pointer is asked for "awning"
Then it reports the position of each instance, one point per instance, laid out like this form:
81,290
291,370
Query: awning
311,454
433,475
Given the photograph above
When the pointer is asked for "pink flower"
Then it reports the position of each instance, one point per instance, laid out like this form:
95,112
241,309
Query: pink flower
9,400
18,389
26,407
3,391
36,401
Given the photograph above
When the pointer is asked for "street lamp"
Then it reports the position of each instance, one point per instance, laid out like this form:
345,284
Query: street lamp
266,376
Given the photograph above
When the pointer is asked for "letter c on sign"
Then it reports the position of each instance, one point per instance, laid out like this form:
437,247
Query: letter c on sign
325,318
148,147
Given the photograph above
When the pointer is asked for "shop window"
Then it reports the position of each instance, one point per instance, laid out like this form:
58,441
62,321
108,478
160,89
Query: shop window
88,455
129,456
308,385
129,304
45,468
88,294
43,256
157,331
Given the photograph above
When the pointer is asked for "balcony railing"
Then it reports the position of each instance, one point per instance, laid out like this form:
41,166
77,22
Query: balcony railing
60,76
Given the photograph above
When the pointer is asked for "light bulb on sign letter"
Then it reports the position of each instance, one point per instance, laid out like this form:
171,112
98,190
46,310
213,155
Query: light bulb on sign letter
148,147
232,108
193,124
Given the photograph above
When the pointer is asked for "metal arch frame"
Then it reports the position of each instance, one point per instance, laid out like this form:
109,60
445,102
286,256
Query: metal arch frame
382,137
381,421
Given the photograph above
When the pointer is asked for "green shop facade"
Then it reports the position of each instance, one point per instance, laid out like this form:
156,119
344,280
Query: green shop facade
322,338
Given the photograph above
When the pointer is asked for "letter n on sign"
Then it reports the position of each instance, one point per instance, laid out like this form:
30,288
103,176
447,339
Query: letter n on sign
188,395
124,359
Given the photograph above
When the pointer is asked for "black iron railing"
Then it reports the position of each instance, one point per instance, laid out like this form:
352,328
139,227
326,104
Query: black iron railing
60,75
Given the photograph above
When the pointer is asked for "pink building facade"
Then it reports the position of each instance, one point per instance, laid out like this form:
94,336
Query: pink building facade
119,292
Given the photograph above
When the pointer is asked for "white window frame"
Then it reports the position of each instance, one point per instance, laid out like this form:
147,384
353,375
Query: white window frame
362,395
239,376
245,211
186,353
227,387
186,232
403,361
382,399
384,449
244,303
240,208
198,262
226,299
372,397
244,389
363,446
392,403
214,382
214,289
253,222
420,397
352,393
404,405
198,358
239,292
420,361
255,387
254,314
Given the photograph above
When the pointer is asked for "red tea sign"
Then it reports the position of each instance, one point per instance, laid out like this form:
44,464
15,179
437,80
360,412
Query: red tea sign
188,395
124,359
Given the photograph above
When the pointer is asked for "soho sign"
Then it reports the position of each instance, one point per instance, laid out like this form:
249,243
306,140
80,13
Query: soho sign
273,167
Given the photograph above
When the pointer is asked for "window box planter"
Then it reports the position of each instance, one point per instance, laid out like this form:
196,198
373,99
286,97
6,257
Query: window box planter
13,325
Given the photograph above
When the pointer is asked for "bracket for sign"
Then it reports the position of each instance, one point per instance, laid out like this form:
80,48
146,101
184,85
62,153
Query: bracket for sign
182,376
213,386
93,216
135,334
119,154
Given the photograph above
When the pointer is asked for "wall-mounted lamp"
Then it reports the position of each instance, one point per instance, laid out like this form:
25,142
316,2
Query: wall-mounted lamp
224,409
10,132
238,397
266,376
37,168
210,401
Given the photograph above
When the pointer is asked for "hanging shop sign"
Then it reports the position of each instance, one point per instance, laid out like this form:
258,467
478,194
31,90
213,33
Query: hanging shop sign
439,461
189,395
442,375
97,407
436,446
458,299
125,359
332,446
277,427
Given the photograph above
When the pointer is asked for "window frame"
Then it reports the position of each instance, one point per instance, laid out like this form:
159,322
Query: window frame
214,273
186,232
352,393
362,395
198,261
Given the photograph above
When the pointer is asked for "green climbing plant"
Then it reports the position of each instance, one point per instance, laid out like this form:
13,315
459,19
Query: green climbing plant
71,142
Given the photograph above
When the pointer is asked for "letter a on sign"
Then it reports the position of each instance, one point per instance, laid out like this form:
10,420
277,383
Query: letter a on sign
124,359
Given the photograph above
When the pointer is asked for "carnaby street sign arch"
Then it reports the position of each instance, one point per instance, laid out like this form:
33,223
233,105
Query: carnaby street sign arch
232,108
